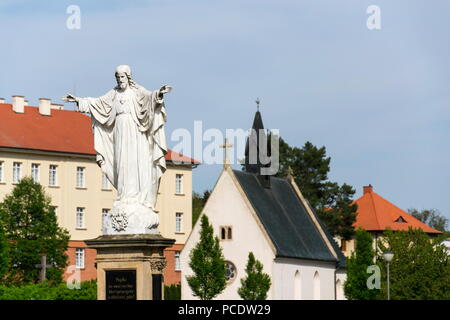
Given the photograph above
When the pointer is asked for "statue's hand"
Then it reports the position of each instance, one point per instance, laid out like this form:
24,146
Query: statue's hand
70,98
165,89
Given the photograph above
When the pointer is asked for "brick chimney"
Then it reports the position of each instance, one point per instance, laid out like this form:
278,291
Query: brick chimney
45,106
367,189
18,104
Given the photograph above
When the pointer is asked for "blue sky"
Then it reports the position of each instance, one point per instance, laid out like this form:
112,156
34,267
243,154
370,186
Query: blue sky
377,100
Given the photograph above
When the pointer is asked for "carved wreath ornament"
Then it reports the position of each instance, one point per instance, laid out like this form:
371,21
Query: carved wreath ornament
119,220
158,264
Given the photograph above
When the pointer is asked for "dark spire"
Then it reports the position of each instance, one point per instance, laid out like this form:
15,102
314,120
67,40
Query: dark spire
254,147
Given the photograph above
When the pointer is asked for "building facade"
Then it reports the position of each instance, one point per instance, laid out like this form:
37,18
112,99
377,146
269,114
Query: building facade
55,147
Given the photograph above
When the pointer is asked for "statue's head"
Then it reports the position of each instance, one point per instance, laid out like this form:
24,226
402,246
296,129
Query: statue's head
123,76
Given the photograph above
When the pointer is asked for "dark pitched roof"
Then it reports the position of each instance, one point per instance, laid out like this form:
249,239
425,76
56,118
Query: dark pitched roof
286,220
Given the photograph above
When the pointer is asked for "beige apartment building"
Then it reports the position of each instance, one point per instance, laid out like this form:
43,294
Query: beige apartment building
55,147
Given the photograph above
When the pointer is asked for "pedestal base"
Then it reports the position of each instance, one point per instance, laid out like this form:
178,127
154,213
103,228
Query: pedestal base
130,266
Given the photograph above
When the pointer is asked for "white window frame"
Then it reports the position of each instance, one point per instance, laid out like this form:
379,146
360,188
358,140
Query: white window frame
80,255
2,171
178,183
53,175
17,172
35,170
80,218
81,177
179,222
177,261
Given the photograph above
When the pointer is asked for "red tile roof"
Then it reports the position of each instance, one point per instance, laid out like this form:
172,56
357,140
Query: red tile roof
64,131
376,214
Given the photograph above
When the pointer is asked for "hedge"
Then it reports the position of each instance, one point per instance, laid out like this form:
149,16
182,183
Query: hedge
48,291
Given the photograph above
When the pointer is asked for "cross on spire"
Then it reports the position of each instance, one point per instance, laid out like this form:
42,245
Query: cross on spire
225,146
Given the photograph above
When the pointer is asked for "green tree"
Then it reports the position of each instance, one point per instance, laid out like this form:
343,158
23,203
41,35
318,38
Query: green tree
355,287
31,229
332,202
208,264
420,269
4,253
256,284
198,202
431,217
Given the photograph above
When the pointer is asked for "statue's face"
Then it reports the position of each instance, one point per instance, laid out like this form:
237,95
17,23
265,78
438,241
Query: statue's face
122,80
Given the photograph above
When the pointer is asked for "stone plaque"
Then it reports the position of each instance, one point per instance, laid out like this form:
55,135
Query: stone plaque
120,285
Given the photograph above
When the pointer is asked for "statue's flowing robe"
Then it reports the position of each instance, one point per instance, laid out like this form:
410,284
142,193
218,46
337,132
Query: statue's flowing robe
130,141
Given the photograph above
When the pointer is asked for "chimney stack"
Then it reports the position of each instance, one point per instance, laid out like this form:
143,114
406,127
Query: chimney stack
26,102
44,106
18,104
367,189
2,100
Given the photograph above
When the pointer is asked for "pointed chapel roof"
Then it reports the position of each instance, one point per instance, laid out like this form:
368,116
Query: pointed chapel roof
377,214
287,221
254,141
294,228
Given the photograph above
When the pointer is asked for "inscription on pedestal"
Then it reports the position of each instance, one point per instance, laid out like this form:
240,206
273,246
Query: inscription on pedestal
120,285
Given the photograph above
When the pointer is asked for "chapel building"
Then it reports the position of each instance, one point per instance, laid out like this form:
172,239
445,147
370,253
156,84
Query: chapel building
268,216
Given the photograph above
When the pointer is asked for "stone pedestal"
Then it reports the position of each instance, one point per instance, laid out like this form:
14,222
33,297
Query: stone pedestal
130,266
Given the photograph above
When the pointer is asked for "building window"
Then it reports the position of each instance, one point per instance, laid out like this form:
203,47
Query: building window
179,184
105,182
226,233
35,172
80,218
177,261
178,222
80,177
230,271
79,258
2,166
52,181
17,172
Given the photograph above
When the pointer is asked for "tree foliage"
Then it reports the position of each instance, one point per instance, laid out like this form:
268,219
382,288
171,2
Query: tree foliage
198,202
355,287
208,264
4,253
31,228
256,284
420,269
332,202
431,217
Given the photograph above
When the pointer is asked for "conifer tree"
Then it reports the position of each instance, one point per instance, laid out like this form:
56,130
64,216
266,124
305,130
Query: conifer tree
355,287
257,283
32,229
208,264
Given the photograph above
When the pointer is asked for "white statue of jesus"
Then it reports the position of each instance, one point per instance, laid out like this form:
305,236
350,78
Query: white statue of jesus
128,126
